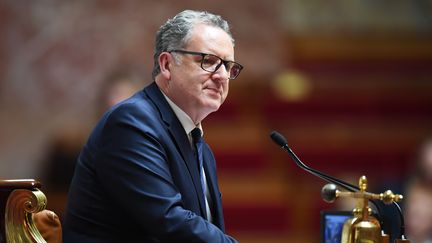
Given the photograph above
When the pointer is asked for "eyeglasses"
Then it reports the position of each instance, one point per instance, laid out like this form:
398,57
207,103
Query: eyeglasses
211,63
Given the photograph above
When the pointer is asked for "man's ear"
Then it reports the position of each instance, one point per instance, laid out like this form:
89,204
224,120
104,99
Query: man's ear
165,60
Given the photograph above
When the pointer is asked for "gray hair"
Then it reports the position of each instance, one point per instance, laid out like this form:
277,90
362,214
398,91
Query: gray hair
175,33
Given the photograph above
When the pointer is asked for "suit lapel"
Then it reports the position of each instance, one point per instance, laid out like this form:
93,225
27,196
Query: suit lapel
178,134
189,157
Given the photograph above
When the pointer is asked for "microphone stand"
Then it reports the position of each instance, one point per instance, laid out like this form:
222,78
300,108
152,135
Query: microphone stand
281,141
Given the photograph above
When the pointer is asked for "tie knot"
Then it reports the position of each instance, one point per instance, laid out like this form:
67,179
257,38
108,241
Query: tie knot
196,134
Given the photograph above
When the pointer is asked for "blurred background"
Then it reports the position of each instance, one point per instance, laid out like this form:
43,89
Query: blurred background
347,82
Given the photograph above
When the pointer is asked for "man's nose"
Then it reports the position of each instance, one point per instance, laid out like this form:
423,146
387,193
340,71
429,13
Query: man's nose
221,73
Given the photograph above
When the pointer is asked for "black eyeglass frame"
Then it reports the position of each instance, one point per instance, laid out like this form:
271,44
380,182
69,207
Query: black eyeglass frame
224,62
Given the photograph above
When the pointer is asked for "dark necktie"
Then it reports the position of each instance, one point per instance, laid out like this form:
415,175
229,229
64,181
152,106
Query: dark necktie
198,142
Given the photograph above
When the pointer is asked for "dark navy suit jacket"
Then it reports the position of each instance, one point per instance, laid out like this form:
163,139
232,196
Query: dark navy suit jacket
137,179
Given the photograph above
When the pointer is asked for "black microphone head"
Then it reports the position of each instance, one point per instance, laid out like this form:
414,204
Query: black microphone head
279,139
328,193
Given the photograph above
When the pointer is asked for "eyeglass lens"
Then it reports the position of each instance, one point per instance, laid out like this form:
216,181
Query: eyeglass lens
211,63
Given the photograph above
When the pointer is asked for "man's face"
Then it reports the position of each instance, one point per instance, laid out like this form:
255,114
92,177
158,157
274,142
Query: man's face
193,89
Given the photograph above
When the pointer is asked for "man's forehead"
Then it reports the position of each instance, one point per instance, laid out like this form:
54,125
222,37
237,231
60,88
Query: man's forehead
212,40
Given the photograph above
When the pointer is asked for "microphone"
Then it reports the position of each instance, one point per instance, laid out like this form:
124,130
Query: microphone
280,140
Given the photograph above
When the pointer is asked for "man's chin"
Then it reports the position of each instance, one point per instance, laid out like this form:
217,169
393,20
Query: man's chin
213,105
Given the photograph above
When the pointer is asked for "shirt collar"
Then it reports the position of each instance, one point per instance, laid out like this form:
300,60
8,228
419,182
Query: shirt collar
185,120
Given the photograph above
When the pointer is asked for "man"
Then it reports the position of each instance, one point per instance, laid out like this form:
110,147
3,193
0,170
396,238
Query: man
139,177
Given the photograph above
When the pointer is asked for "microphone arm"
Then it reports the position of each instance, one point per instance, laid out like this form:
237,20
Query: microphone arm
282,142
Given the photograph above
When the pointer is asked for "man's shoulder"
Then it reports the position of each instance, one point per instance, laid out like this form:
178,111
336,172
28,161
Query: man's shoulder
137,113
139,105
